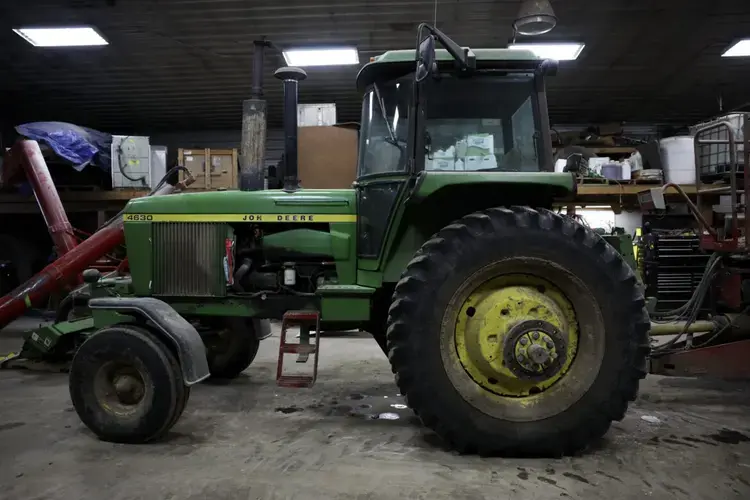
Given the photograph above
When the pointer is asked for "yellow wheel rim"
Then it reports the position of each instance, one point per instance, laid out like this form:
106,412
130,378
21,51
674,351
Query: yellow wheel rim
516,335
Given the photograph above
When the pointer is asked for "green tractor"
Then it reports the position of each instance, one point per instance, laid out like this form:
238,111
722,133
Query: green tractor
510,328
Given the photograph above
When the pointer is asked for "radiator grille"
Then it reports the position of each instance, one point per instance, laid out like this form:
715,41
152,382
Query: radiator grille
188,259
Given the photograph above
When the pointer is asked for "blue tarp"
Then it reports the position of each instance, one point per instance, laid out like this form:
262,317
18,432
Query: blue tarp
80,146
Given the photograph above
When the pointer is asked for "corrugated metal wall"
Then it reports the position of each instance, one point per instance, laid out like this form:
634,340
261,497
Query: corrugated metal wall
224,139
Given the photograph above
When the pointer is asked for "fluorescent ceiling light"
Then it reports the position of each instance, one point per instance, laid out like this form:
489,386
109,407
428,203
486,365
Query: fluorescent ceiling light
321,57
739,49
61,37
557,51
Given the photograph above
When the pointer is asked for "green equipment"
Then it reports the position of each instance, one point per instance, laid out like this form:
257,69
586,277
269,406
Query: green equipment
510,328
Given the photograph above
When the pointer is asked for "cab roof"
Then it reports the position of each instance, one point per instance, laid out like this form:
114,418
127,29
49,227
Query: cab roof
443,55
395,63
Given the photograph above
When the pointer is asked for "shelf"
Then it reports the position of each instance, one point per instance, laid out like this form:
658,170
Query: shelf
88,201
627,189
614,150
604,150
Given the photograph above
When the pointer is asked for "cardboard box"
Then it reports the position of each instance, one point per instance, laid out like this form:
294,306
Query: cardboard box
489,161
327,157
443,164
472,163
480,145
219,172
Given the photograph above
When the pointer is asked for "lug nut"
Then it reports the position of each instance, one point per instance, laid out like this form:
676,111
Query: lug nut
535,335
524,341
521,358
550,345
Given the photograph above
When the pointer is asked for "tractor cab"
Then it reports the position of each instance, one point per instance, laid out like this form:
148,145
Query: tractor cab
457,112
484,112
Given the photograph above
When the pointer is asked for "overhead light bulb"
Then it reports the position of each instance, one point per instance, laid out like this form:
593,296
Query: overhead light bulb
535,17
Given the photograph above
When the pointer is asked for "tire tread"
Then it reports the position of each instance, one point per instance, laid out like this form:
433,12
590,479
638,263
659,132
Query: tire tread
415,281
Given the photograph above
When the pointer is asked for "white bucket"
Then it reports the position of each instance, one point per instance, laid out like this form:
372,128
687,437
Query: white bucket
678,159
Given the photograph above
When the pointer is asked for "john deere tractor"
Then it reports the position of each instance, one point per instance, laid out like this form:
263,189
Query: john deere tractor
510,328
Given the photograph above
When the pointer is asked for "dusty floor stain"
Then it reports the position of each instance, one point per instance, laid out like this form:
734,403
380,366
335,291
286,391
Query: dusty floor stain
729,436
576,477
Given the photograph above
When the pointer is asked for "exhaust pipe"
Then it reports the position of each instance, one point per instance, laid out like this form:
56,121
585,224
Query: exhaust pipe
291,77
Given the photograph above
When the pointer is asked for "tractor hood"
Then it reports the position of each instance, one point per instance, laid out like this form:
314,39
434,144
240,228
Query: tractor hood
307,205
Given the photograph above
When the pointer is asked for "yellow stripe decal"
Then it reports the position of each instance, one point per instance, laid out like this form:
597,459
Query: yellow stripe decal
251,217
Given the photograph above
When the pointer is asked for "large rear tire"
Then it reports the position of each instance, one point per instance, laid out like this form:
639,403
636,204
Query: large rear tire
517,331
126,385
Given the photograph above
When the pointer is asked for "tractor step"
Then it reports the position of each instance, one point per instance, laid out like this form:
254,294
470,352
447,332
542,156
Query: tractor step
306,320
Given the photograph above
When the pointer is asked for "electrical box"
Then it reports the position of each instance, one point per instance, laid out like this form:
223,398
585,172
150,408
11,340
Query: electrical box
131,161
316,115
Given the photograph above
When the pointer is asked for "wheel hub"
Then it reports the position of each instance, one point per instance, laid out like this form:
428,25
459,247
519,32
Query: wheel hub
516,335
534,350
120,387
128,389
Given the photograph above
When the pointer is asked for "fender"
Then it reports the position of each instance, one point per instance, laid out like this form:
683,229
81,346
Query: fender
440,197
170,326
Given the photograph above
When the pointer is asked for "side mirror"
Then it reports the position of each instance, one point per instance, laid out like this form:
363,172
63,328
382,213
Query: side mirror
426,58
574,163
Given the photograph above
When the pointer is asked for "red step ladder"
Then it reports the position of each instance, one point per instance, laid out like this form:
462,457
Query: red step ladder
305,320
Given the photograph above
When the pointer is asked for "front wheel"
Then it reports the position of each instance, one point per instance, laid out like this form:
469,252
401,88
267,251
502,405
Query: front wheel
231,344
126,385
518,331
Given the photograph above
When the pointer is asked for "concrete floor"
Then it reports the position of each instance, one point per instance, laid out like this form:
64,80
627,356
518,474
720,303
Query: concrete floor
251,440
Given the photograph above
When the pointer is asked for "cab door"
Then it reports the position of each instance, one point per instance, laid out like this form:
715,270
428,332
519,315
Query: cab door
385,166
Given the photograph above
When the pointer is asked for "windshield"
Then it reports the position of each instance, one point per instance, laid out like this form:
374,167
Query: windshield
482,123
384,128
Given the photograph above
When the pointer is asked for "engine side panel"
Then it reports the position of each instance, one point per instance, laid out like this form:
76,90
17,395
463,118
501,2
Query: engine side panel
176,243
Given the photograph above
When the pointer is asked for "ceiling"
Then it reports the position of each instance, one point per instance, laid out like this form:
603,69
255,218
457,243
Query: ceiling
187,64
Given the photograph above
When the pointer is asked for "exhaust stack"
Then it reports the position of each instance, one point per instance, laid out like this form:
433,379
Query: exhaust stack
291,77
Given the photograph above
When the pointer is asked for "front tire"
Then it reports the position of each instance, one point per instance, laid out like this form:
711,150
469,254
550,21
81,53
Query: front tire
484,292
231,345
126,385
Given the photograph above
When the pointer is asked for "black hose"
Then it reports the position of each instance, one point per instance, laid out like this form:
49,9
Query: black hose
699,292
691,319
692,307
150,193
662,351
69,303
240,273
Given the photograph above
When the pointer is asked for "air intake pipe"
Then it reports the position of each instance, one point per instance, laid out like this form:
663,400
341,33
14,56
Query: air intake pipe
291,77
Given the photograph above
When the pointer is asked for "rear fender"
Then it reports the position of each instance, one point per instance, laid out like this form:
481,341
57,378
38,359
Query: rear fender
439,198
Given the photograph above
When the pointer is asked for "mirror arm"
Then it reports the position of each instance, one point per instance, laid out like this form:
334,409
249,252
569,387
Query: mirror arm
465,60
